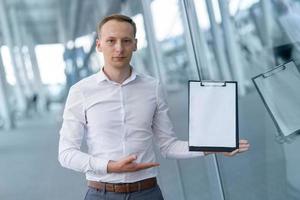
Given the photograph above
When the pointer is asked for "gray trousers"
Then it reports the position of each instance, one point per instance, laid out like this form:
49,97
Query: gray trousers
149,194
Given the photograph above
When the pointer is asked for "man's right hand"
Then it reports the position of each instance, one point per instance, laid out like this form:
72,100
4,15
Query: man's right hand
127,164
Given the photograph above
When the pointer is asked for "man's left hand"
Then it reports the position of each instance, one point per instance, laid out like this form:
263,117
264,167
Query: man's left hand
243,146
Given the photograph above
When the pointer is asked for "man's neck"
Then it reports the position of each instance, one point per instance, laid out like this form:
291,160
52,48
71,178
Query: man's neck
118,75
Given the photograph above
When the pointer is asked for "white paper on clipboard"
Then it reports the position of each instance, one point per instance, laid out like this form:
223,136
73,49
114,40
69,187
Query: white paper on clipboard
213,124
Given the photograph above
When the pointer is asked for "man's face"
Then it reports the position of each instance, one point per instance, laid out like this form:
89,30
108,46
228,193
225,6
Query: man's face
117,43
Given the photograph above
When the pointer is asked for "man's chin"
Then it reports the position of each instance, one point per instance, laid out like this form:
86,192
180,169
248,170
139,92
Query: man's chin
120,65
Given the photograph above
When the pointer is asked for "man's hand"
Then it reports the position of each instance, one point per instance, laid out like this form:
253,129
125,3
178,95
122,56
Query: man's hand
127,164
243,146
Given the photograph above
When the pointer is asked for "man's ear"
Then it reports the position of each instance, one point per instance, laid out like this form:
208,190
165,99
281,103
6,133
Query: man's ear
135,45
98,45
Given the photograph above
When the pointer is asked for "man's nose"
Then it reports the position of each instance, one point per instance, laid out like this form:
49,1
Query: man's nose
119,46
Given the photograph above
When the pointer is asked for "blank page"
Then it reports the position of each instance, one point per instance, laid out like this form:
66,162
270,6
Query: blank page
212,115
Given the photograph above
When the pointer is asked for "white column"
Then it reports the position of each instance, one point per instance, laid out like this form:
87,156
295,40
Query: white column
218,43
189,45
232,48
198,41
150,35
5,108
18,50
5,28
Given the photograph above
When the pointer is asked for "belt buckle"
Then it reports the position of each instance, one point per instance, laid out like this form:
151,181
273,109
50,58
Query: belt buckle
127,186
104,188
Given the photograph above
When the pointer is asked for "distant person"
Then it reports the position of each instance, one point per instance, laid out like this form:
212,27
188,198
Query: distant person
121,114
32,101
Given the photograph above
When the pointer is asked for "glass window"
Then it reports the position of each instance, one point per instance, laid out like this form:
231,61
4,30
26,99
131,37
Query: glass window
51,63
267,34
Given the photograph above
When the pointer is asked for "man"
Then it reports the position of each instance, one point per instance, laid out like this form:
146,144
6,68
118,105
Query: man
121,114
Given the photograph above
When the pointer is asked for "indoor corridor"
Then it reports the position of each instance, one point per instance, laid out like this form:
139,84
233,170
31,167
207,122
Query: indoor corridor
47,46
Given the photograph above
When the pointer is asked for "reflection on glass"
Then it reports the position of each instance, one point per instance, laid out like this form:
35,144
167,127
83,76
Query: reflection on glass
274,174
279,90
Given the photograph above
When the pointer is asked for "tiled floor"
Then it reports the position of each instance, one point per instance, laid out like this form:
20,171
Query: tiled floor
29,169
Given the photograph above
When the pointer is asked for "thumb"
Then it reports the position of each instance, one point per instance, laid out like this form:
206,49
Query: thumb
129,159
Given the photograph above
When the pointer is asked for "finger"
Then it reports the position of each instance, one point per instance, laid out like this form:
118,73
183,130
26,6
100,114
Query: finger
231,153
129,159
141,166
243,141
244,146
241,144
234,152
243,149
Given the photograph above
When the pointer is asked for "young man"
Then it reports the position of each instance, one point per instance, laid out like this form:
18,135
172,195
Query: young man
121,114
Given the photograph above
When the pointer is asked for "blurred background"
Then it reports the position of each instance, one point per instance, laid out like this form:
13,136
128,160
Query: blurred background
48,45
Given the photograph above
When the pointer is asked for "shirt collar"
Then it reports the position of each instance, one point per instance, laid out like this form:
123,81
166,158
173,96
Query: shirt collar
101,76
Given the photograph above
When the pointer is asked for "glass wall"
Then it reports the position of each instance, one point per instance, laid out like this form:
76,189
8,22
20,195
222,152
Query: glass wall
176,66
225,40
167,54
263,35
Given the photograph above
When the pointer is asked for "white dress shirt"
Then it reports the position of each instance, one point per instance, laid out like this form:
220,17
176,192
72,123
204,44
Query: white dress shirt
117,120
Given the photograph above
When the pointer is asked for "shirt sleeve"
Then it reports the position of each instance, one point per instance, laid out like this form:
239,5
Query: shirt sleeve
164,136
71,135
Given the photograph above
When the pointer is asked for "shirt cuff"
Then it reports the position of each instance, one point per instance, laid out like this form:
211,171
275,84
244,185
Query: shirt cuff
197,154
99,165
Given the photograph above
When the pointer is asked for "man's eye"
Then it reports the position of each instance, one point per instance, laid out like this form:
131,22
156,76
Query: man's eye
127,41
109,41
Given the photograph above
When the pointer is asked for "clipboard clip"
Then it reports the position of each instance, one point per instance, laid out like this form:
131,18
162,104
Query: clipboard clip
274,71
213,84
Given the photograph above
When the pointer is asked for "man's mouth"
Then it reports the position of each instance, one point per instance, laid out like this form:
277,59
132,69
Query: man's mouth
119,58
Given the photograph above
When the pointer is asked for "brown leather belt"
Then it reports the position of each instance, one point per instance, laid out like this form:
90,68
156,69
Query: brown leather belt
124,187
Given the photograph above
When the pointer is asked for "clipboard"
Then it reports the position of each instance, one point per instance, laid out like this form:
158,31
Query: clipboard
213,116
279,91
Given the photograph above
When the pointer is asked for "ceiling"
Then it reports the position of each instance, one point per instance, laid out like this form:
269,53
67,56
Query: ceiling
53,21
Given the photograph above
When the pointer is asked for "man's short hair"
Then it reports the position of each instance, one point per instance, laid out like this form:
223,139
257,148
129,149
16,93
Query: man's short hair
117,17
